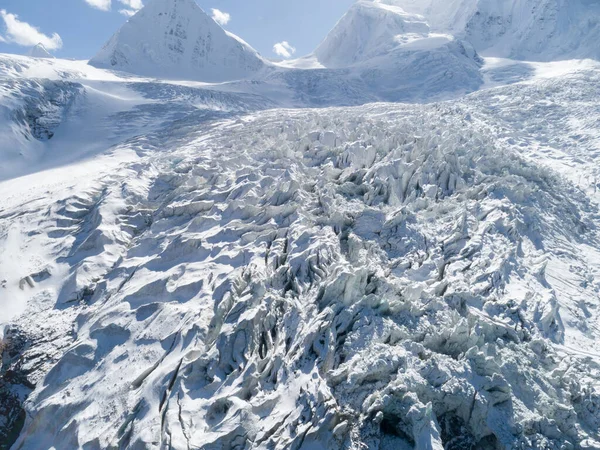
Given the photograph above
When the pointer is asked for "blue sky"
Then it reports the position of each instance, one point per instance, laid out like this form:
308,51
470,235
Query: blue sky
83,29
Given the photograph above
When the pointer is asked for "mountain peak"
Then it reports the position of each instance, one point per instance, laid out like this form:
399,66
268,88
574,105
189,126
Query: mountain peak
367,30
177,39
39,51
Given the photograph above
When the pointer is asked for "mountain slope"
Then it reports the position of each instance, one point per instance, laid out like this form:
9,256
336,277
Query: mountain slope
176,39
538,30
368,30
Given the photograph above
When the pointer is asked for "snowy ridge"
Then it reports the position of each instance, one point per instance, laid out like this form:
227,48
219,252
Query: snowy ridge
176,39
368,30
375,52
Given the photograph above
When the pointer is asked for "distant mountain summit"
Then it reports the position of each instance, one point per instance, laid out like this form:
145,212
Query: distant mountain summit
397,56
176,39
367,30
39,51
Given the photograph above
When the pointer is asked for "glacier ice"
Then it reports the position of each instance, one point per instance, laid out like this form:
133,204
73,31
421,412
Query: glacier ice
277,261
375,276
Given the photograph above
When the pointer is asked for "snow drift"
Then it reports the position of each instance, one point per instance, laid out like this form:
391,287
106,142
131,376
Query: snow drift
176,39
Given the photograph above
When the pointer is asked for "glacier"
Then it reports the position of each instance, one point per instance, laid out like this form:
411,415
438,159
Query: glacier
394,245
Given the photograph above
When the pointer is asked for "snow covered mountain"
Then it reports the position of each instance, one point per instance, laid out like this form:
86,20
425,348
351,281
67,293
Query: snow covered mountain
376,52
176,39
368,30
539,30
39,51
395,53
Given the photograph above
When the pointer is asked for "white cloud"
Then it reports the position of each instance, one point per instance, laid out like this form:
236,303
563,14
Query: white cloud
21,33
222,18
131,6
134,5
284,49
102,5
127,12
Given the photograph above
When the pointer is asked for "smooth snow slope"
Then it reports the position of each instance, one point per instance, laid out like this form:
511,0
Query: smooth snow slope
540,30
176,39
388,276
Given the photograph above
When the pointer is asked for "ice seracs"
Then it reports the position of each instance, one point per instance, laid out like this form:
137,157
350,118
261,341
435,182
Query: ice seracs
39,51
176,39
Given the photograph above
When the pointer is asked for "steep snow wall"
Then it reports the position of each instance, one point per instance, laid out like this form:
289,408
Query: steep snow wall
30,113
540,30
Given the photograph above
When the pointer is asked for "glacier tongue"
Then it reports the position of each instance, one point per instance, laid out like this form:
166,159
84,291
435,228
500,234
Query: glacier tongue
379,276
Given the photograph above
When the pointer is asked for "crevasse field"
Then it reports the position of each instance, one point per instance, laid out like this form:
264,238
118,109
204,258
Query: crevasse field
392,243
